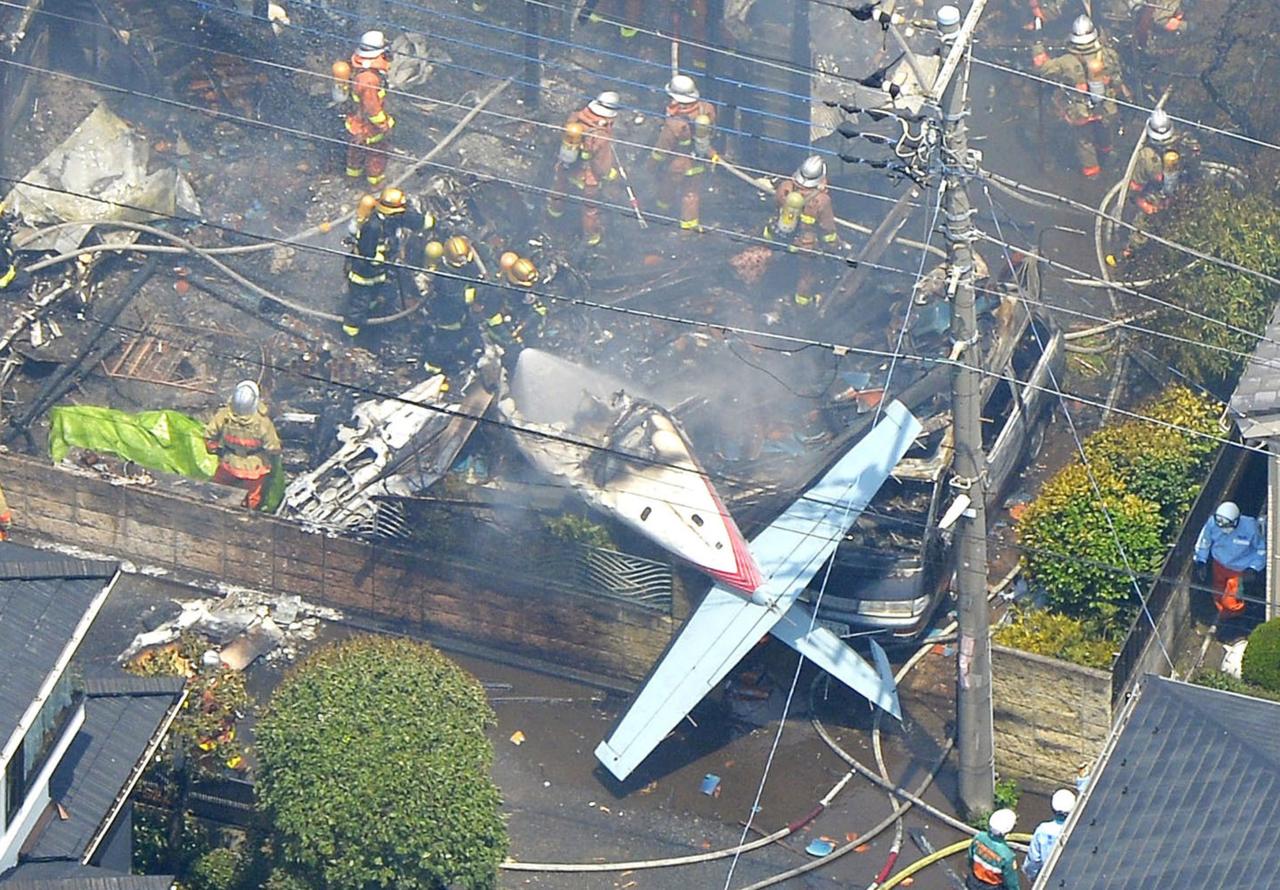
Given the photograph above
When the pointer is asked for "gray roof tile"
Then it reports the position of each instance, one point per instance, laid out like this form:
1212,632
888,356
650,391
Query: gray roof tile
43,596
118,724
1185,800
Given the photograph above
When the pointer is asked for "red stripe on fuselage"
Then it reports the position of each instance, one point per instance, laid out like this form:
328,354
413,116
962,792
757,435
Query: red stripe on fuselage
746,576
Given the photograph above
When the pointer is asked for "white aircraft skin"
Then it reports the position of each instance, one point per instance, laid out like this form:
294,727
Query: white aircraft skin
730,621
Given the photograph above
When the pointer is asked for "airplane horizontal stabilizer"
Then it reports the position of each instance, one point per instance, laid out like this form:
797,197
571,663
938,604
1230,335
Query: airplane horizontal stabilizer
829,652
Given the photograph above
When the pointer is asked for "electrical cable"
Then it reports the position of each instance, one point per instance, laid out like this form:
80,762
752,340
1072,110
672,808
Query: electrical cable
555,65
659,316
1260,143
1099,499
616,208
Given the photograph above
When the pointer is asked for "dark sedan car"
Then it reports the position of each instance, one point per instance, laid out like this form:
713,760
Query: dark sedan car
895,565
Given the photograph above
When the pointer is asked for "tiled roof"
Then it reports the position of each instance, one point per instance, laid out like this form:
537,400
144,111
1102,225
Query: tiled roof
74,876
1186,799
43,597
121,718
1256,400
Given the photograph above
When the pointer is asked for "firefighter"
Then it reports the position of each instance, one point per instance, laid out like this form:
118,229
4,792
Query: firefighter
683,149
12,278
1162,167
364,91
373,268
585,161
245,441
806,222
454,336
6,517
990,858
507,316
1089,110
1163,164
627,11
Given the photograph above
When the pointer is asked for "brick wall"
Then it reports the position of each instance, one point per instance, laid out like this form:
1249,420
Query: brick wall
1050,716
191,537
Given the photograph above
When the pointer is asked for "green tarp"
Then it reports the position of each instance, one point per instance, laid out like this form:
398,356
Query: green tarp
168,441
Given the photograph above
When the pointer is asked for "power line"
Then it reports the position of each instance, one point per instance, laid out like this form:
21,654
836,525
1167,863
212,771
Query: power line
793,340
621,208
1088,468
328,79
1182,120
617,208
568,68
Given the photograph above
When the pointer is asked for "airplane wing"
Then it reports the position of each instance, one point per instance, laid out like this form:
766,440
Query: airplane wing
727,624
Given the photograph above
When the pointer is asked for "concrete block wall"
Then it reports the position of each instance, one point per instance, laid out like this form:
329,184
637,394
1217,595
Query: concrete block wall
192,538
1050,716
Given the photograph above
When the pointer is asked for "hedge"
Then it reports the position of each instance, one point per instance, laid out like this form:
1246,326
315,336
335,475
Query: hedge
375,771
1071,534
1261,666
1057,636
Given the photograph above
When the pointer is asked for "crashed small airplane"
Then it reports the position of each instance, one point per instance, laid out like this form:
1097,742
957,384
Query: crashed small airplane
727,624
628,458
393,448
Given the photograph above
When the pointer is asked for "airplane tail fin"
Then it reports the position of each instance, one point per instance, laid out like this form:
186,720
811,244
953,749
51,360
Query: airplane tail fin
830,653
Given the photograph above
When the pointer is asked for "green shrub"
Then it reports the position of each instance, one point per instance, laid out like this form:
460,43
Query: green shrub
1154,463
215,870
1071,546
1007,794
1241,229
375,771
577,529
1057,636
1192,413
1215,679
1261,665
1158,463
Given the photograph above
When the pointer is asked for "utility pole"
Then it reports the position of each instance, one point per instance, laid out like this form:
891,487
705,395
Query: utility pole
974,722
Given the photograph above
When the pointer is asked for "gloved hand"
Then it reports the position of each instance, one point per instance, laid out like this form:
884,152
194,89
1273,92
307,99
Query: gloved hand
1249,579
1201,573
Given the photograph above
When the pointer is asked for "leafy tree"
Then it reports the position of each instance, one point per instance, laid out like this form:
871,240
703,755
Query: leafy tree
1243,230
1159,463
375,771
1071,547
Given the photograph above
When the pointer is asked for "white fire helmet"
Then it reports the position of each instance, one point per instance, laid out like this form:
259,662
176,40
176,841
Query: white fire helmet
1159,127
1083,34
606,104
244,399
1063,801
1002,822
682,89
811,172
372,45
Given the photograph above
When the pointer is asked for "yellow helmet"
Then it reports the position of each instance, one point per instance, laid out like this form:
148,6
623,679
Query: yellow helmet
435,250
507,260
457,251
523,273
365,208
391,200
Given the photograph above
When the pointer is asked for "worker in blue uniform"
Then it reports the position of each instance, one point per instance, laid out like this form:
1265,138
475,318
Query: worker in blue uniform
1047,832
1232,552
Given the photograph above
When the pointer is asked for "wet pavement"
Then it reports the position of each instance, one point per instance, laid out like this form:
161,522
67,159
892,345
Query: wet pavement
563,808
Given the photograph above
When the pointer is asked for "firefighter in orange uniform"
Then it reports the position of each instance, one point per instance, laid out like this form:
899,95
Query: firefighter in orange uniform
1088,109
246,442
806,219
585,161
683,150
6,517
364,88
